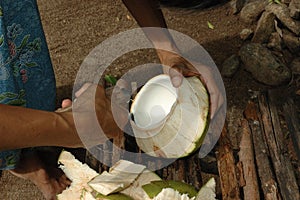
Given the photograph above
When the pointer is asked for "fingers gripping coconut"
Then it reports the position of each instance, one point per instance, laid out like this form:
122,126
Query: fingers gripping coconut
178,67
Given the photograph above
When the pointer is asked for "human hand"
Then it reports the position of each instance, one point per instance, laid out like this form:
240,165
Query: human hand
177,67
66,104
91,108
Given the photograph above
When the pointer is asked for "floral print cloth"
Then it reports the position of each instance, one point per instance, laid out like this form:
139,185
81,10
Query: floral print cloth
26,74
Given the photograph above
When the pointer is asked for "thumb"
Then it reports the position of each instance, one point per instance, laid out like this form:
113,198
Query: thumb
176,77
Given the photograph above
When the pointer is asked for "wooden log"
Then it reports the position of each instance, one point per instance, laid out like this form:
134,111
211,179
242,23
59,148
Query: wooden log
239,174
193,175
180,170
279,137
233,117
170,173
186,169
107,155
282,165
226,166
290,115
118,147
265,173
246,157
91,161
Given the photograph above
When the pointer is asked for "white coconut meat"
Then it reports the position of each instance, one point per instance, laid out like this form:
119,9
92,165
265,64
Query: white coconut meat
120,176
171,194
80,174
87,196
208,191
170,122
135,190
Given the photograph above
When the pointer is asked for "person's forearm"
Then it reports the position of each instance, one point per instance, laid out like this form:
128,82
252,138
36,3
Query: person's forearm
147,13
22,127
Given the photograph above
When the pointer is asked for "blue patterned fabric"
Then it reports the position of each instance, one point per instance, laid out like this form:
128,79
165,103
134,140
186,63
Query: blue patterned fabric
26,73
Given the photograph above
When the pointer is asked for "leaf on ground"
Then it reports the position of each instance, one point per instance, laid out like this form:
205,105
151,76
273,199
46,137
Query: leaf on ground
277,1
210,25
110,79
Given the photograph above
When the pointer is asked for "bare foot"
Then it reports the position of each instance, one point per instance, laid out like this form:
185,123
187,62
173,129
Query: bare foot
49,179
45,175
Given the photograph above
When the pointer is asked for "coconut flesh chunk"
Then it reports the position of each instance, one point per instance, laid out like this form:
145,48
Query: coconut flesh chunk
120,176
135,190
208,191
171,194
170,122
86,196
80,174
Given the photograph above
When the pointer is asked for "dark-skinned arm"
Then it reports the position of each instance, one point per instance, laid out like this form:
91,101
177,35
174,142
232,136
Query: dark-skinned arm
147,13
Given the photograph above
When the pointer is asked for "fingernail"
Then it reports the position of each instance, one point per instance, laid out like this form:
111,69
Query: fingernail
66,103
176,81
82,89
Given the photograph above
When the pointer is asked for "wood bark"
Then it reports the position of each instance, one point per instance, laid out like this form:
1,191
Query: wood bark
246,156
193,175
283,169
91,161
279,138
293,124
118,147
265,173
227,171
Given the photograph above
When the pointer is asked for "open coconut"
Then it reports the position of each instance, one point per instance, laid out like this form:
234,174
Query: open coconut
167,121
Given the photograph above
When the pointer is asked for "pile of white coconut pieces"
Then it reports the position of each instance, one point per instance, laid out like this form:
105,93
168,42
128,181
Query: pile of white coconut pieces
125,181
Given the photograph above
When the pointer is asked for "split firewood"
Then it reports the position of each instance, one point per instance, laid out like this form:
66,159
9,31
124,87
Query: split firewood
118,147
267,179
290,115
282,165
279,137
227,171
246,156
91,161
180,170
239,174
193,175
107,151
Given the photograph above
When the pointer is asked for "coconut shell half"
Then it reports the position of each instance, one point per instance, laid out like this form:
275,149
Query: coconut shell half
170,122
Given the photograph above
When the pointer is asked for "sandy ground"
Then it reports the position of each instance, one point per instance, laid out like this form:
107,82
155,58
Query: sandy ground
74,27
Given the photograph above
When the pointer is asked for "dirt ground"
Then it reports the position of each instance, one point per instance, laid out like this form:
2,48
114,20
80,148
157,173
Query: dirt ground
74,27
